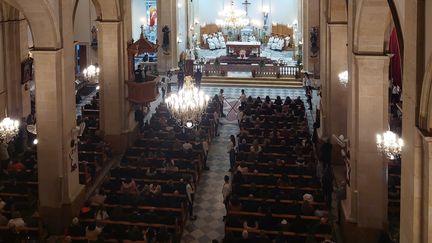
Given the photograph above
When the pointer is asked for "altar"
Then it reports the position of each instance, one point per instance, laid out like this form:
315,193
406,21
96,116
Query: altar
243,49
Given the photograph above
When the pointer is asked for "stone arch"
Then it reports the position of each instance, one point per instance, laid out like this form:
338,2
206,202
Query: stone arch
108,10
42,20
425,114
370,26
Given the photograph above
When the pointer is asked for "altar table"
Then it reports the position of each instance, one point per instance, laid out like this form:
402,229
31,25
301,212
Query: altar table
235,47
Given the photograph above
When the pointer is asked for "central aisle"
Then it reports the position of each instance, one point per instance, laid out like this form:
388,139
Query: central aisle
208,206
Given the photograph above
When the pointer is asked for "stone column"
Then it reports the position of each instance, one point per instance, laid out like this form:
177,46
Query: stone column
333,60
324,116
167,16
112,85
412,227
335,91
10,78
311,14
426,219
57,160
368,116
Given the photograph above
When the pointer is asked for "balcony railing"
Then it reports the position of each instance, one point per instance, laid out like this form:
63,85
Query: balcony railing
143,92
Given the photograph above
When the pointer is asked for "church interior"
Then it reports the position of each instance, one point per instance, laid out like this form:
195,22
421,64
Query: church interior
198,121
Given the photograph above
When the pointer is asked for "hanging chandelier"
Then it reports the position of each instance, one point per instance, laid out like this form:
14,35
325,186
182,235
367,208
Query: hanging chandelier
233,17
343,78
8,129
389,144
91,73
188,105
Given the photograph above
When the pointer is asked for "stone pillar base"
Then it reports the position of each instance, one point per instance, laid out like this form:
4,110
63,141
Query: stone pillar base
354,234
58,219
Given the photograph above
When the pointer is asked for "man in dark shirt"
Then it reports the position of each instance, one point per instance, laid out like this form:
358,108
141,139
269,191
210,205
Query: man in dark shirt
326,153
139,75
198,77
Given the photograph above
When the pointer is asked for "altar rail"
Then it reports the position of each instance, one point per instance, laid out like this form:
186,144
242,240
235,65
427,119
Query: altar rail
143,92
269,70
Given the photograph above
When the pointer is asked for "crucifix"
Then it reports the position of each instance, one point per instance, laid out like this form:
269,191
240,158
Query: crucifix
246,3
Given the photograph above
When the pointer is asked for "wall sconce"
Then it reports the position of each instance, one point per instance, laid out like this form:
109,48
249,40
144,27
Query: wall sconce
179,5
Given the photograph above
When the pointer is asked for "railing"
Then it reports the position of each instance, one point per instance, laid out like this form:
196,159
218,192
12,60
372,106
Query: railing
143,92
269,70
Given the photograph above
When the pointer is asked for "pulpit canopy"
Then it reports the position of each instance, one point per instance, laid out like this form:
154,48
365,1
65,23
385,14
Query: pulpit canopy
142,45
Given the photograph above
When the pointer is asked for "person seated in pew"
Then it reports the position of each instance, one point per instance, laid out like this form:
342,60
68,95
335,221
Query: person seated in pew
98,198
101,213
155,189
280,238
86,212
151,171
243,147
307,208
92,232
234,204
3,219
298,225
242,168
310,238
134,234
16,221
255,148
16,167
238,178
278,101
163,236
128,186
268,222
75,229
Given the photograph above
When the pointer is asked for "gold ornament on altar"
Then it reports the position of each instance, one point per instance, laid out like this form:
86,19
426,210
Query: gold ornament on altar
187,105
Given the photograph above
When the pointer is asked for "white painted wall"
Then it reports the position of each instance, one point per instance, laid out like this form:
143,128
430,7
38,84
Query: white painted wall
281,11
181,25
138,12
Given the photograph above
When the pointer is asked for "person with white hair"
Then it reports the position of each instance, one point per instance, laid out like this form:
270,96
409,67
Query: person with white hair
16,221
75,229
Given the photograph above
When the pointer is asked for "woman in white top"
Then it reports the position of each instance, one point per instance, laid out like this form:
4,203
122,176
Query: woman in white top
243,97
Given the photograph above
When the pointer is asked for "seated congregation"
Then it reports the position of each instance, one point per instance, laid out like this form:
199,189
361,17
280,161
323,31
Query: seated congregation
276,193
19,217
147,197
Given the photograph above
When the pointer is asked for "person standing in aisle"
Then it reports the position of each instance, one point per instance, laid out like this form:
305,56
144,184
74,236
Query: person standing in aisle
190,192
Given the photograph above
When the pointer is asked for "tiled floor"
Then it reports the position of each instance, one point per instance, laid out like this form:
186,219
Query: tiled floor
208,207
